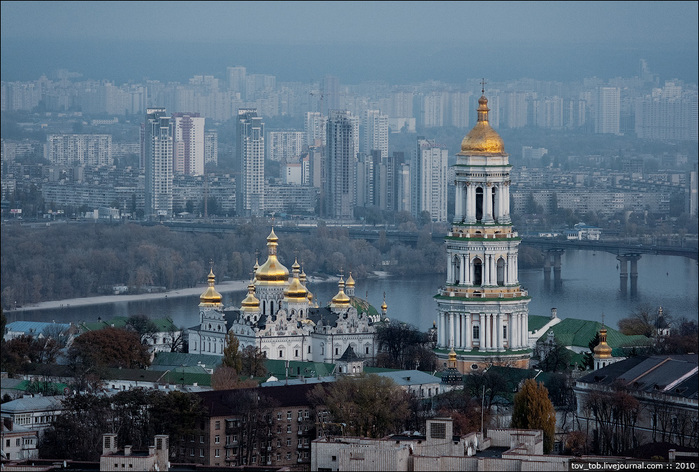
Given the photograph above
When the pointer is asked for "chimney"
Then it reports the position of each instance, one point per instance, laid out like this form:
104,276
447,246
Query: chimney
127,450
554,313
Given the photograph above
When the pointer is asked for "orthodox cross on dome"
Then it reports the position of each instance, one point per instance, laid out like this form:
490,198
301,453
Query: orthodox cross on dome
483,82
602,320
211,264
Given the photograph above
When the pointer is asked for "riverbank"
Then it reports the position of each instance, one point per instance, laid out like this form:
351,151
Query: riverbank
221,287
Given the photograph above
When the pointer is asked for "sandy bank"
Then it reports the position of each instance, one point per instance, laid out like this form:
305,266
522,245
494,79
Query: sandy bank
229,286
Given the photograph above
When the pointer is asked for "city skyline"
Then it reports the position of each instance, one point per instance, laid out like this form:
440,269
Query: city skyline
302,41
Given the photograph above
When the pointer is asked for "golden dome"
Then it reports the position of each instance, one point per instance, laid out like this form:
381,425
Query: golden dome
603,350
210,297
251,303
482,139
296,290
272,270
341,299
350,281
384,307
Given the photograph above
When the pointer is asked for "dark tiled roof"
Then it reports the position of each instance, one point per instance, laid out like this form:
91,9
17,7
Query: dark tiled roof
671,375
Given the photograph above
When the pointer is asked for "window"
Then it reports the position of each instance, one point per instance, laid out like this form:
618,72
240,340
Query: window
217,425
296,352
217,453
17,442
279,416
334,458
201,439
217,439
476,332
288,441
337,351
504,332
288,415
288,428
201,452
309,349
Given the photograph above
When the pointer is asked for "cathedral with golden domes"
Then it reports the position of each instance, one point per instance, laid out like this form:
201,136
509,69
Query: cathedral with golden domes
482,309
280,317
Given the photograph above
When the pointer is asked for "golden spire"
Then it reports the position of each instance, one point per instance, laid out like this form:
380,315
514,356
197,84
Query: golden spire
272,271
603,350
482,139
296,291
210,297
384,307
341,299
250,303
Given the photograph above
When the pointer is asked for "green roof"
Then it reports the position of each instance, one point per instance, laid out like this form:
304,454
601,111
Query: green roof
277,367
579,333
161,324
536,322
363,306
177,359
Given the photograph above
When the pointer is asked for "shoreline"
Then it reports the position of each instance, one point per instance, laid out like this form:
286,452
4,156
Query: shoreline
221,287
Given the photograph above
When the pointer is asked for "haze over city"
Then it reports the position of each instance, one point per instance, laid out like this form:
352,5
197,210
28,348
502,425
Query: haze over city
356,41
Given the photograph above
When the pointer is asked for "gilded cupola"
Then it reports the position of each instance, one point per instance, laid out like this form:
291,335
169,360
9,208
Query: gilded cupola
603,350
296,291
272,271
250,303
482,139
210,297
341,299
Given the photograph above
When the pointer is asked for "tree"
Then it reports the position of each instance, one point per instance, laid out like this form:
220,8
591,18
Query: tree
489,382
231,354
227,378
108,347
144,326
642,321
253,362
533,409
402,346
557,358
464,409
369,405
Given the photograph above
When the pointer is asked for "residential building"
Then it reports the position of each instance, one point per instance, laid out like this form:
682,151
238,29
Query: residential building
340,176
211,147
188,143
429,186
285,146
251,154
79,149
157,152
375,128
17,442
607,110
155,458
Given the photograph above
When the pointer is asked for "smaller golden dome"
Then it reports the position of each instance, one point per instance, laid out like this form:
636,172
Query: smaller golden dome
603,350
482,139
341,299
296,291
452,355
210,297
250,303
384,307
350,281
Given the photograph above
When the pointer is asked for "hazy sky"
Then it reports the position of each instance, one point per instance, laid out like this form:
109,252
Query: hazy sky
354,21
470,26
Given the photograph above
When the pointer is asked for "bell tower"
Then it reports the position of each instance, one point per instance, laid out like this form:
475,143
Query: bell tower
482,310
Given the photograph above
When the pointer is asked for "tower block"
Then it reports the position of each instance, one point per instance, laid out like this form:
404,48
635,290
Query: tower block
482,309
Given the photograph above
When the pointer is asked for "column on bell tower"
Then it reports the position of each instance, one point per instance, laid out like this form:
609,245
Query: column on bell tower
459,202
470,203
488,204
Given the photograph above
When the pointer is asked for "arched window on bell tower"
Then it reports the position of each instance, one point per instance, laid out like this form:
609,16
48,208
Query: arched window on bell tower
479,203
477,272
501,272
456,269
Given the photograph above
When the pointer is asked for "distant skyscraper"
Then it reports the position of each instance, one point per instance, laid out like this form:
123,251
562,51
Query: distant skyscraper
284,146
342,138
211,147
375,126
607,110
251,152
71,149
157,148
331,94
315,127
237,80
188,136
430,180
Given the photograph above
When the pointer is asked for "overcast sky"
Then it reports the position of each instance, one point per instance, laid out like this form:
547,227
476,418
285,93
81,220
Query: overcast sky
615,25
371,21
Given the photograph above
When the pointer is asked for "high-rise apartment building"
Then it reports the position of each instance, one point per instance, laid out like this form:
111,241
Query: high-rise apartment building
237,80
607,110
251,153
340,182
188,145
284,146
157,149
315,128
375,136
82,149
429,176
211,147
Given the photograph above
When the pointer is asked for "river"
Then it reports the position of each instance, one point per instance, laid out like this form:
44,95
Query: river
589,287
